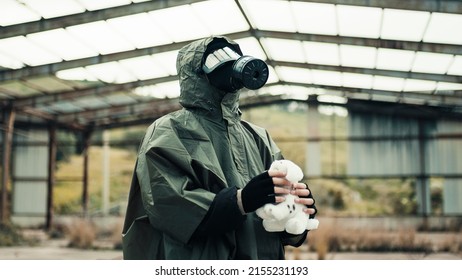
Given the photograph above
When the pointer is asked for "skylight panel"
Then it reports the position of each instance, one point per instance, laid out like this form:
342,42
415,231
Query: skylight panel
270,15
432,62
188,28
441,86
388,83
272,76
55,8
328,98
357,56
166,60
14,13
140,30
392,59
321,53
284,50
161,90
144,67
10,62
26,51
456,66
251,46
111,72
315,18
444,28
61,43
76,74
295,75
101,37
413,85
359,21
354,80
404,25
102,4
221,17
330,78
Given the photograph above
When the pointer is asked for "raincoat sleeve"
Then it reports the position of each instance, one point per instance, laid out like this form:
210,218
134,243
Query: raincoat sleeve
176,189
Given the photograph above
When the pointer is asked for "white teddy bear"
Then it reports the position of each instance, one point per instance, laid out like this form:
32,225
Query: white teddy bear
287,215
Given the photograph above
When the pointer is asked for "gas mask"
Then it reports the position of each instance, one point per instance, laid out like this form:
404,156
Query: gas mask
229,71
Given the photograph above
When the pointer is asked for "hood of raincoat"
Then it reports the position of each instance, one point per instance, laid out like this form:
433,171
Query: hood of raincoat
195,90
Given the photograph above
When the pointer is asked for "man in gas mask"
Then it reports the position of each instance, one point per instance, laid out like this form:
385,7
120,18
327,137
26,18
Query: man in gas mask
200,172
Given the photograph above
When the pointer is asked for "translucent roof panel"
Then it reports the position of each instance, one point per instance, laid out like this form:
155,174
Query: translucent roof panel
432,62
315,18
269,14
166,60
392,59
358,21
354,80
221,17
295,75
78,74
456,66
55,8
444,28
101,4
284,50
404,25
100,36
357,56
8,61
140,30
251,46
13,12
190,27
111,72
27,52
388,83
62,44
161,90
143,68
412,85
329,78
321,53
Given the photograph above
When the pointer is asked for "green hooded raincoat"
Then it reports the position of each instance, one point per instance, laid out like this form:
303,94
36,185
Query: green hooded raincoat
186,158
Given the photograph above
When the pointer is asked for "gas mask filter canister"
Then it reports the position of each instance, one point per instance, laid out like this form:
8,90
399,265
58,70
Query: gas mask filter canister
229,71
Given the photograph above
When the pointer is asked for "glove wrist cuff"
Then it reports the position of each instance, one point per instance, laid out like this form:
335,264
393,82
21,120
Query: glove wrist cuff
239,201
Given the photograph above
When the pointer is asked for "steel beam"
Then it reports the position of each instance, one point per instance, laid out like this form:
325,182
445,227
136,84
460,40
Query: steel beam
51,69
374,72
434,6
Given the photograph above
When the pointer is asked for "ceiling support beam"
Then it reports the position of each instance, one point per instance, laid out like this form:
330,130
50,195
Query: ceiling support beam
51,69
434,6
374,72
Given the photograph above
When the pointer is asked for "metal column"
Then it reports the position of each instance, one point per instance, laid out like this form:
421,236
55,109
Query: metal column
86,146
8,119
51,175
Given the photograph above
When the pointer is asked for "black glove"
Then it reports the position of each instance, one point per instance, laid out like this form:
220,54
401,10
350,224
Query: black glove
314,201
258,191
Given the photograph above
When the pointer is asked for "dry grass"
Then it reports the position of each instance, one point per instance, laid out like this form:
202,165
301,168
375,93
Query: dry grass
332,238
81,234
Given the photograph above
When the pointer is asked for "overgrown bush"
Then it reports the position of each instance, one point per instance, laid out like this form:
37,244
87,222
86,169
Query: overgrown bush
81,234
10,235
